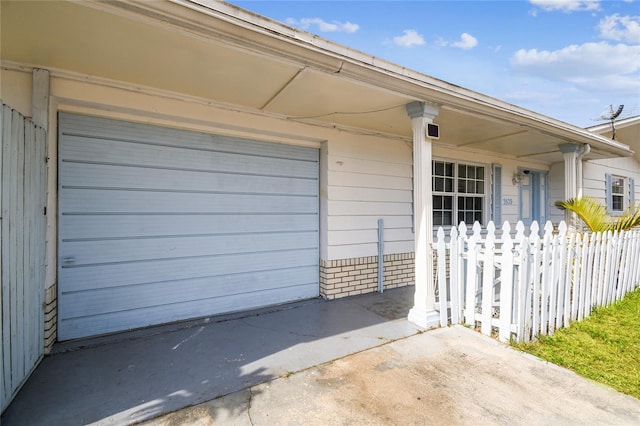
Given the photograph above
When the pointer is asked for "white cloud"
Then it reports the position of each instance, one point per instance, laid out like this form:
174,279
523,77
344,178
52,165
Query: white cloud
466,42
567,6
620,28
409,39
324,26
593,66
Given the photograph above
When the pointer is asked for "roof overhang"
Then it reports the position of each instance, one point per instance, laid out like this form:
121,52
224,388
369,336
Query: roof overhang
627,132
219,52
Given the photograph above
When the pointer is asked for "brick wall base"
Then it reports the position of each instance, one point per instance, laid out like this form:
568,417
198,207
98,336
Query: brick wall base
50,317
348,277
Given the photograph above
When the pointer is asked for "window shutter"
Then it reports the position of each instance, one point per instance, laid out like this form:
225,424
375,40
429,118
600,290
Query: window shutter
496,194
632,191
607,191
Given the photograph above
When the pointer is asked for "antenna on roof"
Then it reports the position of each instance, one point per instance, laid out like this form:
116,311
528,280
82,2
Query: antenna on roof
612,115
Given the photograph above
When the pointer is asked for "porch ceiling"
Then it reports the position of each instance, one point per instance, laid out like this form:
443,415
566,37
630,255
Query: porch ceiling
210,54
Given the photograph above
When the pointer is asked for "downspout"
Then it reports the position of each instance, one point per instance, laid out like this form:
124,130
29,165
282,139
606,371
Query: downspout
584,150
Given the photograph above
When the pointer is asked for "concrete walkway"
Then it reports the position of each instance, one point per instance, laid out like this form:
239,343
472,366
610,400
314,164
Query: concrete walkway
450,376
350,361
130,377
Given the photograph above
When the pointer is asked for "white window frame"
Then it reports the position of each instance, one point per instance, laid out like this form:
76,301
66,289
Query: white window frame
455,194
624,191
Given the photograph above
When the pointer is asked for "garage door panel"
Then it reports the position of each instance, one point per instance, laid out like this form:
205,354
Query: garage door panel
122,274
122,201
168,293
99,128
125,177
104,151
157,225
113,322
146,249
119,226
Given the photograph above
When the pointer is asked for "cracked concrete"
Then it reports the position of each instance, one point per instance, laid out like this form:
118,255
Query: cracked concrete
451,376
131,377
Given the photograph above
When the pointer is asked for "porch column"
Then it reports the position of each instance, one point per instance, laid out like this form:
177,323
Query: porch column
570,153
423,312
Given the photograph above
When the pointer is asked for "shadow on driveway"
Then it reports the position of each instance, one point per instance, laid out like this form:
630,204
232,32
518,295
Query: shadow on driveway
134,376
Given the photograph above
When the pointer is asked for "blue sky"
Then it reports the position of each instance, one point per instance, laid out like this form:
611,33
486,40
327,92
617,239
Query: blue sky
568,59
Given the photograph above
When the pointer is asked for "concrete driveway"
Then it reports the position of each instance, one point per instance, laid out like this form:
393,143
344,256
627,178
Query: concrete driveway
350,361
450,376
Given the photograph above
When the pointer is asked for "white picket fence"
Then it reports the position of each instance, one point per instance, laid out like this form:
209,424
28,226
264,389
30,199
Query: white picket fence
523,285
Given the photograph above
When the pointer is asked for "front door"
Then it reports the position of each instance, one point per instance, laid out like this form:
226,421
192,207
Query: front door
533,196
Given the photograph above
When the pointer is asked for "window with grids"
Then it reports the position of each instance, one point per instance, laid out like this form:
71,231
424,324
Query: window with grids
617,193
458,193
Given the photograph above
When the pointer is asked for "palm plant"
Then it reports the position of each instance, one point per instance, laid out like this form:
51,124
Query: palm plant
596,217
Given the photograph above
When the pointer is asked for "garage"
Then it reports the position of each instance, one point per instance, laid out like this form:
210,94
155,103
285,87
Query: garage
159,225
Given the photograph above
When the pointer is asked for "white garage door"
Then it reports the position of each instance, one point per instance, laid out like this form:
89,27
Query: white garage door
158,225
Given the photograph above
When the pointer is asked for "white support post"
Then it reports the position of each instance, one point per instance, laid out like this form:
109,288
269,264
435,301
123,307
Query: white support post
423,312
570,153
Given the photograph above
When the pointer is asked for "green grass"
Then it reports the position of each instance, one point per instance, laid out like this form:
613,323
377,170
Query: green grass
604,347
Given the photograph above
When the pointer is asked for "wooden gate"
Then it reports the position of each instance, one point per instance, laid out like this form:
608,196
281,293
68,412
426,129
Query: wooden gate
22,251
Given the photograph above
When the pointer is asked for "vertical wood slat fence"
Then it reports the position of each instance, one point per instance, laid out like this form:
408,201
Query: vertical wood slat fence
526,285
22,232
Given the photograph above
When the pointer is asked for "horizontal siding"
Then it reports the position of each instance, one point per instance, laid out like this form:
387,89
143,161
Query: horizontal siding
392,247
382,166
364,236
595,170
347,223
368,179
342,193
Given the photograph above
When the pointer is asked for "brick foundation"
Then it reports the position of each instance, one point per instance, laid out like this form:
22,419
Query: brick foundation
50,317
348,277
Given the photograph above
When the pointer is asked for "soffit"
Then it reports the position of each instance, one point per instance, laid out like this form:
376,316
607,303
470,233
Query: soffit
85,40
252,69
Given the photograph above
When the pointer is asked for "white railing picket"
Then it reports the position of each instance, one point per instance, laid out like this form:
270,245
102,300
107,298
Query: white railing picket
524,289
455,265
580,275
545,282
573,274
570,291
488,274
554,289
441,250
624,266
472,280
506,286
535,285
563,285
